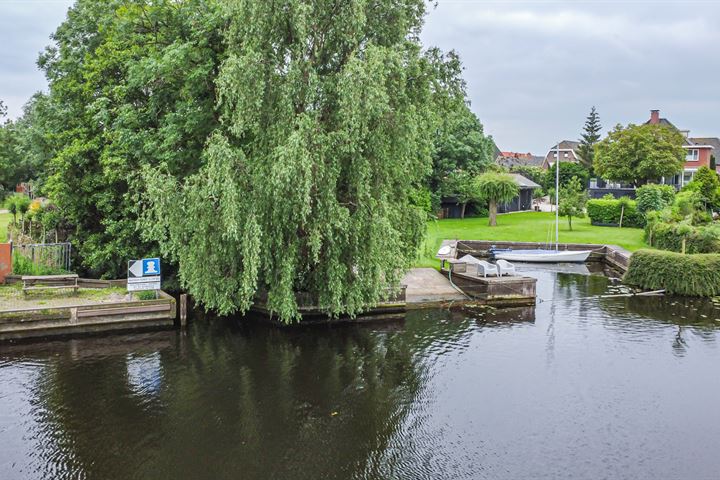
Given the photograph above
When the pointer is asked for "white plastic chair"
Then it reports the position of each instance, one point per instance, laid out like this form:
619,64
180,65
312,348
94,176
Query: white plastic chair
505,268
486,268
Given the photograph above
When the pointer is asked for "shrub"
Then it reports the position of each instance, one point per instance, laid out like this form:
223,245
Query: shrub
652,197
607,212
24,266
687,202
706,184
693,275
669,236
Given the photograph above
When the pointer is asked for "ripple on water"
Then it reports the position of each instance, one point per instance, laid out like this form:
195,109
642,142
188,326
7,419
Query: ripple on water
578,387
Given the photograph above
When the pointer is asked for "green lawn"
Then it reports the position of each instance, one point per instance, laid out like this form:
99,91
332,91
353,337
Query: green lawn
4,220
525,227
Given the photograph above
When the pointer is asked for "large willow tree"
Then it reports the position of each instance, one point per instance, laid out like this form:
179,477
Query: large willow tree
327,113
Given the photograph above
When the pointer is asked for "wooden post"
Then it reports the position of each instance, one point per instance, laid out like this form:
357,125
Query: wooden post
183,310
683,246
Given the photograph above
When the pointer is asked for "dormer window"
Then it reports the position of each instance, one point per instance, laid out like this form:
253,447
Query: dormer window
693,155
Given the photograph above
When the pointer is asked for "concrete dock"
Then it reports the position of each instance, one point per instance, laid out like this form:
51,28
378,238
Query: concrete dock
427,286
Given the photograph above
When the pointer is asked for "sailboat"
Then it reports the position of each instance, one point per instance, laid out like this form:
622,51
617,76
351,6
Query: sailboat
547,255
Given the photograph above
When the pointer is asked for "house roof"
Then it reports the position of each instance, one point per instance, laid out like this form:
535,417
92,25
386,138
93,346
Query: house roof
519,160
524,182
663,121
566,144
712,141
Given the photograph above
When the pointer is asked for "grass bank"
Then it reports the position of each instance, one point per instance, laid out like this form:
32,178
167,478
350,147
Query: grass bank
524,227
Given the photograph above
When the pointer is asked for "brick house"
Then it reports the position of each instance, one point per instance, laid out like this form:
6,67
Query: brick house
700,151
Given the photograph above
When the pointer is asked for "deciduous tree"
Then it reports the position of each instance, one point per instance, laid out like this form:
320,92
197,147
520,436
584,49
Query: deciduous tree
638,153
573,198
461,144
328,112
496,188
131,84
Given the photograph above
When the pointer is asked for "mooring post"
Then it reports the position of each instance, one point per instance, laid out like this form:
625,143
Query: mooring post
183,309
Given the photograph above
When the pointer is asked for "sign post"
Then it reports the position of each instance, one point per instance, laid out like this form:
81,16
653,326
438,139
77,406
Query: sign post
143,274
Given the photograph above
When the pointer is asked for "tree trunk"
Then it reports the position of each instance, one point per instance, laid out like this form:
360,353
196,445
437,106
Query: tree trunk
493,213
570,222
462,210
622,214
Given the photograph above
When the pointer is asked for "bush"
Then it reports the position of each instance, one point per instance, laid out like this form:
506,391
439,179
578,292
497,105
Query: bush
607,212
24,266
653,197
687,202
693,275
706,184
669,236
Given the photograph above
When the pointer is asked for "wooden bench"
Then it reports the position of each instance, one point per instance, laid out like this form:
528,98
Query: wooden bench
49,282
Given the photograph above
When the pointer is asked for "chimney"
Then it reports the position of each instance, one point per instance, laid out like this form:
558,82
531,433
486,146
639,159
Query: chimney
685,133
654,117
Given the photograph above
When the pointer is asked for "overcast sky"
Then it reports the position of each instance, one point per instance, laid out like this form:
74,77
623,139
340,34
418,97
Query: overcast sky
533,68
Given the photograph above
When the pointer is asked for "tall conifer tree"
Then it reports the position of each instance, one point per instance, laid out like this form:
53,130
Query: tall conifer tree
589,137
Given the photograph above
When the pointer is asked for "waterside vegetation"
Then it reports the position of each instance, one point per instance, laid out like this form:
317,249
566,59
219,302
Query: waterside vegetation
693,275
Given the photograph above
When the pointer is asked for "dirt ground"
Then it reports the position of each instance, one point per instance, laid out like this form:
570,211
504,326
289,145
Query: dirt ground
12,297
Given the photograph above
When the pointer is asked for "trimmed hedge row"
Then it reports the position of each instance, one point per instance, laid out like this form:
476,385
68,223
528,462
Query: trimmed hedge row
607,212
669,236
692,275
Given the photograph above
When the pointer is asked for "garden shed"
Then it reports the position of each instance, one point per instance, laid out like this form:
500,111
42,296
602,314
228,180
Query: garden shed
450,208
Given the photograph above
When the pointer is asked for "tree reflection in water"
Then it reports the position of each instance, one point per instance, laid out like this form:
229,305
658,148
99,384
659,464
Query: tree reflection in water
232,398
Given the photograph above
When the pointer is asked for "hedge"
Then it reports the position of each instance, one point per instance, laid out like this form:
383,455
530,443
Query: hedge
669,236
607,212
692,275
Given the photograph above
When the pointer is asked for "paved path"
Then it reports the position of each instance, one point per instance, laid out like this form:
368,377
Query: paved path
429,285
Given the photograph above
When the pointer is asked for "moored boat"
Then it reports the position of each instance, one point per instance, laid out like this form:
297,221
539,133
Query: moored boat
543,256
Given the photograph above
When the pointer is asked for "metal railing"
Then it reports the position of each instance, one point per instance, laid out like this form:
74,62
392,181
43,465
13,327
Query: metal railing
52,255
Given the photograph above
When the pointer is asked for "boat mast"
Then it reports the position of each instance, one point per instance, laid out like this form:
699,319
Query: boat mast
557,198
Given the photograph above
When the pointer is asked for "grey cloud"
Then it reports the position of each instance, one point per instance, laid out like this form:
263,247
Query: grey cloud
534,69
25,28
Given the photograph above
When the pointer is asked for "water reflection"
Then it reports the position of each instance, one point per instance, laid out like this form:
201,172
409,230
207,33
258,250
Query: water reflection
577,387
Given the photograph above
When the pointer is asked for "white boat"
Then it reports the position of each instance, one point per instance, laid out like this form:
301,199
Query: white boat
544,256
547,256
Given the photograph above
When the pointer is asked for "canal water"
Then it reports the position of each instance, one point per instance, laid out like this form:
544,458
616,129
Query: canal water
579,387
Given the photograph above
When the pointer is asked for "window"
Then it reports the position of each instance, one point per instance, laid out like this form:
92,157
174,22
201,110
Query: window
565,155
693,155
688,176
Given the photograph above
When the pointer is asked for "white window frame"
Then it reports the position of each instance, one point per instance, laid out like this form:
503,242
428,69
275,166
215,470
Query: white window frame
692,176
693,155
